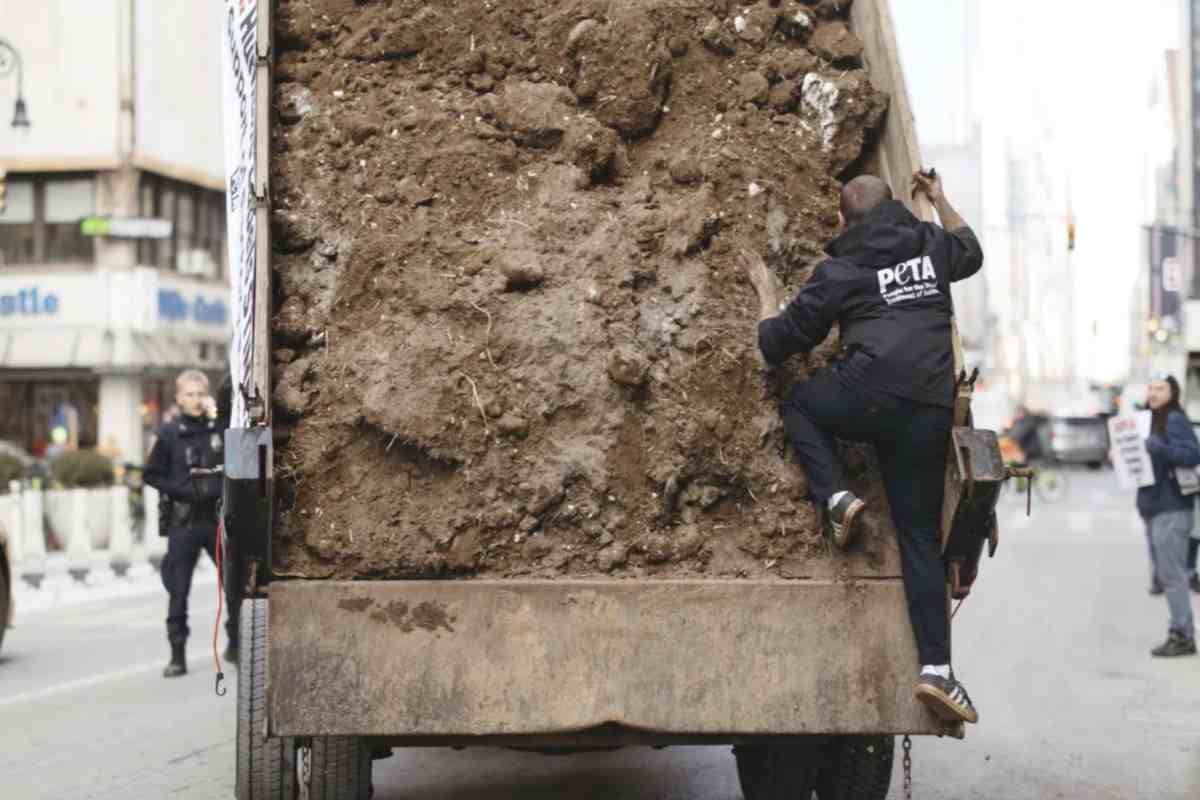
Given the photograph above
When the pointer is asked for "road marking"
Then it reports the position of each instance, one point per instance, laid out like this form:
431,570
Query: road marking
82,683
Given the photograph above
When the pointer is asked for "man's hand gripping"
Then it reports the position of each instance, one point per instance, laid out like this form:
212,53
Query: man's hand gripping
765,284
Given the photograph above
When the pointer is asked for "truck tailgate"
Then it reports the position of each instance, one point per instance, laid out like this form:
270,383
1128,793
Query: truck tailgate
525,658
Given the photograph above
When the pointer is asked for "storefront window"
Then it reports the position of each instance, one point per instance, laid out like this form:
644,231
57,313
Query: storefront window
197,215
165,209
40,223
17,223
67,203
27,408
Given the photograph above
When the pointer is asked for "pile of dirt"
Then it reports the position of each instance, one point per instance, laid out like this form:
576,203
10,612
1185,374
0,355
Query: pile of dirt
511,334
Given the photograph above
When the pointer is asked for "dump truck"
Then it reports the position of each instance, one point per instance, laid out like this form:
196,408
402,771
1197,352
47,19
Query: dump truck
504,467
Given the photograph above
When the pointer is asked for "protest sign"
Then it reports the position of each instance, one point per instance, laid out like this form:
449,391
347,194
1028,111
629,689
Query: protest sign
1127,436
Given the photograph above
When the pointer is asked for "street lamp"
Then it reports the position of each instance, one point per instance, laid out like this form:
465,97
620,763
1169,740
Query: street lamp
10,59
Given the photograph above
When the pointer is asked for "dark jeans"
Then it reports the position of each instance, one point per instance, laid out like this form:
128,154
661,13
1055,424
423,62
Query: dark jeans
184,543
911,439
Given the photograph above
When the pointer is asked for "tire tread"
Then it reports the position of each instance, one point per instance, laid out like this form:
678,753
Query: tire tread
858,768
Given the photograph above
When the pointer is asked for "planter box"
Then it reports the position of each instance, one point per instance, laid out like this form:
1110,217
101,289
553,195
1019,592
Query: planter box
97,515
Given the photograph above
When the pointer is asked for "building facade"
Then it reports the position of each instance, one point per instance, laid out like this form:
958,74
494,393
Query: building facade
113,273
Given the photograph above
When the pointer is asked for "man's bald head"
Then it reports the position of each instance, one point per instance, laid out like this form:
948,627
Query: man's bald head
861,195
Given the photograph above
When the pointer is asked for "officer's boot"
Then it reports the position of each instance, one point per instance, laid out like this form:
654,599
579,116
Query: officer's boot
231,652
177,665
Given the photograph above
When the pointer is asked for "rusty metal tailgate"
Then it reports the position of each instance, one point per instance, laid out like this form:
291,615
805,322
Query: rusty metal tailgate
520,658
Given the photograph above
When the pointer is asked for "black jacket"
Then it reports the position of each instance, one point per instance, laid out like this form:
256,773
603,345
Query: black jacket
887,285
180,446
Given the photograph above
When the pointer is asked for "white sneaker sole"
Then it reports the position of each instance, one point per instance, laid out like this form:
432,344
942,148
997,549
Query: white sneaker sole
944,706
844,534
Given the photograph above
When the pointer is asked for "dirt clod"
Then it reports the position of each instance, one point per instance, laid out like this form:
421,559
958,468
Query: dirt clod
834,41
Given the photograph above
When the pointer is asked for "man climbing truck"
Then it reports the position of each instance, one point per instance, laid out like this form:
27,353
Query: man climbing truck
887,285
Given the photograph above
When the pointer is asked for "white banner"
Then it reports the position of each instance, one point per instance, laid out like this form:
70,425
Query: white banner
239,56
1127,436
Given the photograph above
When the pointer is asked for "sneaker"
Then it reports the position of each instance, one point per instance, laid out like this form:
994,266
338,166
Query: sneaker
1156,587
843,518
1194,583
946,697
1175,645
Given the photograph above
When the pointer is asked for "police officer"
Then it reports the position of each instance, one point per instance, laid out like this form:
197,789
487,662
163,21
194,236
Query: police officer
192,441
887,285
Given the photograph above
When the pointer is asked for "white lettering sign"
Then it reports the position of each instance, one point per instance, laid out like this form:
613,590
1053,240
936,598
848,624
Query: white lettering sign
239,56
1127,436
909,280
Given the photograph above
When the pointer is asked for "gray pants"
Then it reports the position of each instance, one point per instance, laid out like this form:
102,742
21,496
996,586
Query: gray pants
1168,533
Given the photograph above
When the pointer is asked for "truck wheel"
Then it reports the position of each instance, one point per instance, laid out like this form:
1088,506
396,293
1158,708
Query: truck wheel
777,772
857,768
266,767
271,768
339,768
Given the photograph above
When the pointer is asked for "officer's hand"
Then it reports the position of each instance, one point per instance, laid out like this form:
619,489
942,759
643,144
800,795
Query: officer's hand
930,186
758,273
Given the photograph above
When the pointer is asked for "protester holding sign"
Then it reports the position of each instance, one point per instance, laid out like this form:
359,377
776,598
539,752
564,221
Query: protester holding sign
1168,508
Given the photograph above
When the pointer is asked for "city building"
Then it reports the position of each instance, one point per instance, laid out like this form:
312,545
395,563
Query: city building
113,273
944,86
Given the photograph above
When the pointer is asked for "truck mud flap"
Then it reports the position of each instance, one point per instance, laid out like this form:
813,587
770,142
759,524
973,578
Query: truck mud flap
246,505
430,659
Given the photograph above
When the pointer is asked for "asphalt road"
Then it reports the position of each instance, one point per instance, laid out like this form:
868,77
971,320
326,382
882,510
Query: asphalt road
1053,647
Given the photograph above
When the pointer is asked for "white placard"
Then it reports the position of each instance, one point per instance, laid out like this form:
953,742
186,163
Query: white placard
1127,435
239,35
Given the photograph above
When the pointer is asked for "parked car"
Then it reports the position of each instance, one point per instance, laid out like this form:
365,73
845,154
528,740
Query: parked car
1077,440
6,600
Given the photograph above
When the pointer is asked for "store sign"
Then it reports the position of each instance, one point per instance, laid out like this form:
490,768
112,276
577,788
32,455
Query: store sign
1172,275
29,302
127,227
174,307
1166,282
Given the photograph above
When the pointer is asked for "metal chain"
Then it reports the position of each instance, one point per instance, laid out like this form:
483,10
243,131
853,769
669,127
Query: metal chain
304,770
907,768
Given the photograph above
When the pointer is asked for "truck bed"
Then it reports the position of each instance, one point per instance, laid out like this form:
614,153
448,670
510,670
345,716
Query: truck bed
633,556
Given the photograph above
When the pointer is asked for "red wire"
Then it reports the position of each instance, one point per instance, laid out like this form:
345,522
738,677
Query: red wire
220,595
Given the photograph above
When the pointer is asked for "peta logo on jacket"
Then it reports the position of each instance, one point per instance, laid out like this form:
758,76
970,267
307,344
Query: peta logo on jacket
908,280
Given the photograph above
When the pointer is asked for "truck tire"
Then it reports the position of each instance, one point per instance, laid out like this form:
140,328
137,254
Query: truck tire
857,768
340,769
266,766
778,772
269,768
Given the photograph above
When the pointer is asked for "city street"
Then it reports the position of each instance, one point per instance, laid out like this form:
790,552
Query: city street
1053,646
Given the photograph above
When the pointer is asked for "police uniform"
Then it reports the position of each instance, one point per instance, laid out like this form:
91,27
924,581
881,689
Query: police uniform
182,445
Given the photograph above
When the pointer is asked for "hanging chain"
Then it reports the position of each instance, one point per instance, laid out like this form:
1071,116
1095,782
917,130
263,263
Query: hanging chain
304,770
907,768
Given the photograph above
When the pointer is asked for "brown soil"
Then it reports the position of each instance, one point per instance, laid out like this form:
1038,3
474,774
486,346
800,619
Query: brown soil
511,332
